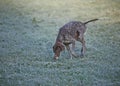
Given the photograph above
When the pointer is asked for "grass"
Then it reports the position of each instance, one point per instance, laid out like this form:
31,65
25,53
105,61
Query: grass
28,30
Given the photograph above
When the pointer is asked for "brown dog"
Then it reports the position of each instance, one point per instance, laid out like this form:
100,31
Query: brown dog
68,34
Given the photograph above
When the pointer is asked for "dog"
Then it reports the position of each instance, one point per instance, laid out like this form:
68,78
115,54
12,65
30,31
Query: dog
68,34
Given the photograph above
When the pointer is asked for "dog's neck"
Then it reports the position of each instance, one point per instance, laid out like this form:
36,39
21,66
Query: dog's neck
58,42
59,38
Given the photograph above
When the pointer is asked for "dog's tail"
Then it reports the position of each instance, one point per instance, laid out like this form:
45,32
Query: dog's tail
91,21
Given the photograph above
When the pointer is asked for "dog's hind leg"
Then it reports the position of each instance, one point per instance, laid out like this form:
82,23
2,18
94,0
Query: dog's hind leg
83,49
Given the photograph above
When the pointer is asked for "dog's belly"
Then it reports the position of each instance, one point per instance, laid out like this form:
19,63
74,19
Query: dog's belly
68,39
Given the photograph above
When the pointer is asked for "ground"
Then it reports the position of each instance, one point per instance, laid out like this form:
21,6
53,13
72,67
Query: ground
28,29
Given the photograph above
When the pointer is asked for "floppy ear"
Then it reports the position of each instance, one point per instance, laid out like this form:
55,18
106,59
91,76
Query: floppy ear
61,46
58,44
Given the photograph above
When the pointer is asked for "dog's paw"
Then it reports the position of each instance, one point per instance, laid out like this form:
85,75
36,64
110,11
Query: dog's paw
76,56
81,55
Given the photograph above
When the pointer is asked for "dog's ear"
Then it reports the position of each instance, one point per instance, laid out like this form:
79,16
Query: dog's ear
61,46
58,44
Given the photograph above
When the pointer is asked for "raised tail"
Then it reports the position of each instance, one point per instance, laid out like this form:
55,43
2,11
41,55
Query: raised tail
91,21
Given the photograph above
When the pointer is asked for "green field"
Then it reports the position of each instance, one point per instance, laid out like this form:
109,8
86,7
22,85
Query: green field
28,29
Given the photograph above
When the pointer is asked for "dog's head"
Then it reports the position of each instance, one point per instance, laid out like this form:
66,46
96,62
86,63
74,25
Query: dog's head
57,48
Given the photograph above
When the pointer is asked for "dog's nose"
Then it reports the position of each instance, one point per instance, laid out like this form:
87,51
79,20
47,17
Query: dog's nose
55,57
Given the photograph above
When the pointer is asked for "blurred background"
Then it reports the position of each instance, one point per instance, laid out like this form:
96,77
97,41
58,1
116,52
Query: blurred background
28,29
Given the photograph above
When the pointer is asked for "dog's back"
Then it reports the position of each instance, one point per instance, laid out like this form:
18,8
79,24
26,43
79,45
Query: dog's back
70,31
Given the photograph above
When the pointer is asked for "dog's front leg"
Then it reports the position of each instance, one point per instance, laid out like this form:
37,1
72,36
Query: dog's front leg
73,49
69,51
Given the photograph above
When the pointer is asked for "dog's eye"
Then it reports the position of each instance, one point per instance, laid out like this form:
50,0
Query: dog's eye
54,49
